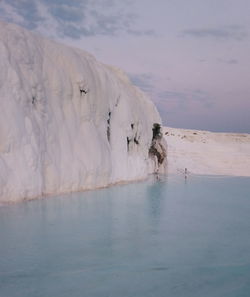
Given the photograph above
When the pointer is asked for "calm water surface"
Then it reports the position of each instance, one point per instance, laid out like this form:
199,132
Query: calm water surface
155,238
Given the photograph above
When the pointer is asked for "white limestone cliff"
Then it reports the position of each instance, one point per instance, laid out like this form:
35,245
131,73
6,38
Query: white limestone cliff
68,122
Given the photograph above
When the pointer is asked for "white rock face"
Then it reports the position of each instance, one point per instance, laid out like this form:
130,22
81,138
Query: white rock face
203,152
67,122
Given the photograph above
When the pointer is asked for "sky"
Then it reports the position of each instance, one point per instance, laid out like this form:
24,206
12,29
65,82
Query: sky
192,57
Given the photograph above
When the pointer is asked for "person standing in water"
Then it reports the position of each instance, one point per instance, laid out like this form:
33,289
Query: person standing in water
186,172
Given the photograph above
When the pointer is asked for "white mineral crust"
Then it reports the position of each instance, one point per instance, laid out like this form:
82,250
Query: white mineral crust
203,152
68,122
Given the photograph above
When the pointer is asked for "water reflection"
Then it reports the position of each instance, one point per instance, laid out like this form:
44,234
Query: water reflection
156,194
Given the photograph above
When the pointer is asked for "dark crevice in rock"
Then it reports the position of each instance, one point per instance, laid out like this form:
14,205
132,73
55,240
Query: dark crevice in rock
128,142
33,100
108,126
136,141
83,91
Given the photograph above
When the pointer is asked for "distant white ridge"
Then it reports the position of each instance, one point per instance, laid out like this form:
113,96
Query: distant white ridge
203,152
67,122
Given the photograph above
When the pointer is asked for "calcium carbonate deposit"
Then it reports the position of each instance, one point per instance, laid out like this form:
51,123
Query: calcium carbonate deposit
204,152
67,122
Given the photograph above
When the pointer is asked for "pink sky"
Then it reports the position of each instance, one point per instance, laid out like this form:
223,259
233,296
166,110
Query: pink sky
191,57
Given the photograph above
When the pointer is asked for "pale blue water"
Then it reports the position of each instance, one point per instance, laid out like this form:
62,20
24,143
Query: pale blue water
155,238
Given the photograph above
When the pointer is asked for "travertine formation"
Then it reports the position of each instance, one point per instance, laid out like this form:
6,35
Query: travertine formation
203,152
68,122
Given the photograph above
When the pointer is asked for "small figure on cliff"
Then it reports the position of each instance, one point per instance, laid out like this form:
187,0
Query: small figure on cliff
157,150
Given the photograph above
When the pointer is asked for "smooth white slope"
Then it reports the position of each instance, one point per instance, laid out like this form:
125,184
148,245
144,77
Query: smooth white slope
203,152
53,138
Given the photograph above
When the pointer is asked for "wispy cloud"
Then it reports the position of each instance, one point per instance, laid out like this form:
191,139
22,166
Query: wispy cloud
22,11
224,33
228,61
176,106
141,32
184,100
75,18
66,13
172,102
145,81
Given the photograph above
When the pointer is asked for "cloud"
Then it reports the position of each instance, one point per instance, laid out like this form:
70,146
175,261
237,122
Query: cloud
185,100
171,101
66,13
25,9
144,81
232,61
180,107
74,18
141,32
108,22
225,33
73,3
228,61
